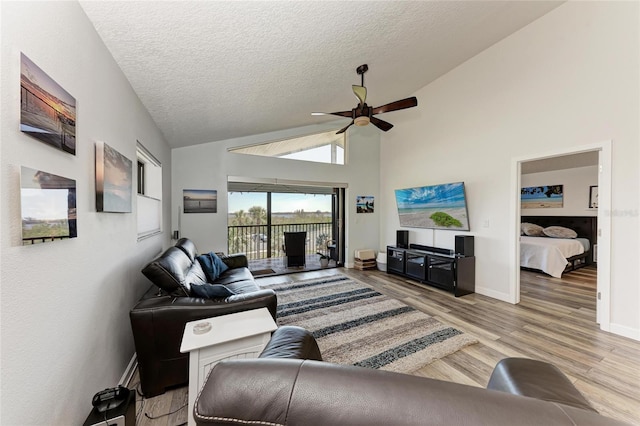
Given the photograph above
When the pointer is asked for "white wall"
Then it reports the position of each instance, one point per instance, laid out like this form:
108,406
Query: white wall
207,166
576,183
569,79
65,304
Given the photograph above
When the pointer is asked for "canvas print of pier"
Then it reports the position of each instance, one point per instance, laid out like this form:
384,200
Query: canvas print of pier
541,197
435,207
200,200
47,111
48,204
364,204
114,180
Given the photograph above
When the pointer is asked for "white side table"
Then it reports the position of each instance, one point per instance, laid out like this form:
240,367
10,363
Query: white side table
233,336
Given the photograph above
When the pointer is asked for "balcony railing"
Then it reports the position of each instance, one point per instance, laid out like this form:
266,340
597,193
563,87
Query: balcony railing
263,241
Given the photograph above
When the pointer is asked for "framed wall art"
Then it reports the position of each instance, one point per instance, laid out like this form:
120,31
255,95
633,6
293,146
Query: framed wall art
114,180
200,200
47,111
364,204
48,205
541,197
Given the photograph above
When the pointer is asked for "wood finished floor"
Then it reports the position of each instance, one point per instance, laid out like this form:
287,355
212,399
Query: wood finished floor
555,322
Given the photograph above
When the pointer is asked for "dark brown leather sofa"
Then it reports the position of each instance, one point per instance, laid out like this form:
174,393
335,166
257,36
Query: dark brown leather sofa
289,385
159,317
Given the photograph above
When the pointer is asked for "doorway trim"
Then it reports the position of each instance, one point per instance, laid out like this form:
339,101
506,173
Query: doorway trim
603,305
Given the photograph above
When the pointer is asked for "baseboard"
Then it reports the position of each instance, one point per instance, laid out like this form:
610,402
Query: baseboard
624,331
125,380
493,294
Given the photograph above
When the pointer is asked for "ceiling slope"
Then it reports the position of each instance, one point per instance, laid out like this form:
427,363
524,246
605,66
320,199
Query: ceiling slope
214,70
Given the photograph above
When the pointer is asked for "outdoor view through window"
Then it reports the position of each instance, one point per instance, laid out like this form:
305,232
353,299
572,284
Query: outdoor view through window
248,225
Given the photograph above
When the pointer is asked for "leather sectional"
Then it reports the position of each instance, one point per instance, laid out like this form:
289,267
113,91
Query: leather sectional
159,317
290,385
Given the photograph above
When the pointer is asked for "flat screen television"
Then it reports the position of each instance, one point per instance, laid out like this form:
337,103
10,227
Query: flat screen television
434,207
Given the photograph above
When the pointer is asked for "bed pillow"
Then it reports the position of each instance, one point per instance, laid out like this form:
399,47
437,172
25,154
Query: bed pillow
559,232
532,230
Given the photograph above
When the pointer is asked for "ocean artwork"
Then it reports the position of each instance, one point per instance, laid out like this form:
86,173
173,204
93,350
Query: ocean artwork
200,200
48,204
47,111
114,180
364,204
434,207
541,197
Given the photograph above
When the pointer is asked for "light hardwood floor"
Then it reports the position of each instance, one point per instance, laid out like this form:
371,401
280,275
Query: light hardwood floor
555,322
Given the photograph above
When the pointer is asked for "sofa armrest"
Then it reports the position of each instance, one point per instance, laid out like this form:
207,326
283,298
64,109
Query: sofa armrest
235,261
158,325
292,342
536,379
304,392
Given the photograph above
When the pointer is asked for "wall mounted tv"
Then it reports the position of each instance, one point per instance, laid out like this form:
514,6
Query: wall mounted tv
433,207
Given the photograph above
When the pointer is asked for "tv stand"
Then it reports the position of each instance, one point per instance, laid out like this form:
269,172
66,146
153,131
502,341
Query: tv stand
438,268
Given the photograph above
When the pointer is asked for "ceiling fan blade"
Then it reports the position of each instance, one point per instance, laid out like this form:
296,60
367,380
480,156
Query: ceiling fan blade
360,92
394,106
381,124
344,129
339,113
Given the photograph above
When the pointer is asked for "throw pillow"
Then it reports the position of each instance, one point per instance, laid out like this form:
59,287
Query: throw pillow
532,230
210,291
212,265
559,232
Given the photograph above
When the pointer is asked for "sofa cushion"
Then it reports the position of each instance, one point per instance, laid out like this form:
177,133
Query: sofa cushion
234,275
187,246
210,291
174,272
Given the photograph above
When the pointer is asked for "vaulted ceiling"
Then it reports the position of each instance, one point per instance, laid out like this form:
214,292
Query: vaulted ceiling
214,70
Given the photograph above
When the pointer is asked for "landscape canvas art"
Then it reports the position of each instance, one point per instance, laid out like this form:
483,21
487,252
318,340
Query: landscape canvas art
364,204
200,200
541,197
48,204
436,207
47,111
114,180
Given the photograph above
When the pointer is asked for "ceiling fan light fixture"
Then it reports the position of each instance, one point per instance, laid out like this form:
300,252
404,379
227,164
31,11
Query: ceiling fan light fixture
361,121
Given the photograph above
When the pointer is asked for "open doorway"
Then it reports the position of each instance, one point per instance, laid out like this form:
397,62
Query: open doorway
575,206
261,215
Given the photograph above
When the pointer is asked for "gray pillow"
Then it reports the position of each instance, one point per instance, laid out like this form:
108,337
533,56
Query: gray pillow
559,232
532,230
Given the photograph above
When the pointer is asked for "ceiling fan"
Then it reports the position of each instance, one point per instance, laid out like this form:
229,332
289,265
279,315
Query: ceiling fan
363,114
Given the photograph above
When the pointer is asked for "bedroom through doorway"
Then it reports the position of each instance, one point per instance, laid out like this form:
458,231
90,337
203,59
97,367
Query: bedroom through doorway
559,257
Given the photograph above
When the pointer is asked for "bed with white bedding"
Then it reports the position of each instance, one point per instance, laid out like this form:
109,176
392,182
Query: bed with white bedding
550,254
555,256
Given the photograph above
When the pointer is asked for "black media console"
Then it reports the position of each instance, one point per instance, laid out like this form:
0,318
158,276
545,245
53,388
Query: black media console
434,266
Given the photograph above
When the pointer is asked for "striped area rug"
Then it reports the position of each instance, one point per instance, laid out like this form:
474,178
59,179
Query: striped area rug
356,325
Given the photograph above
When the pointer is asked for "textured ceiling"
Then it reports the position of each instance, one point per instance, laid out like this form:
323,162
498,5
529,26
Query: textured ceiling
215,70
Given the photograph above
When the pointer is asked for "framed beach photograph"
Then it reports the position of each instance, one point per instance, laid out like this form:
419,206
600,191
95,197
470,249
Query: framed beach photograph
593,197
114,180
48,204
200,200
364,204
47,111
541,197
